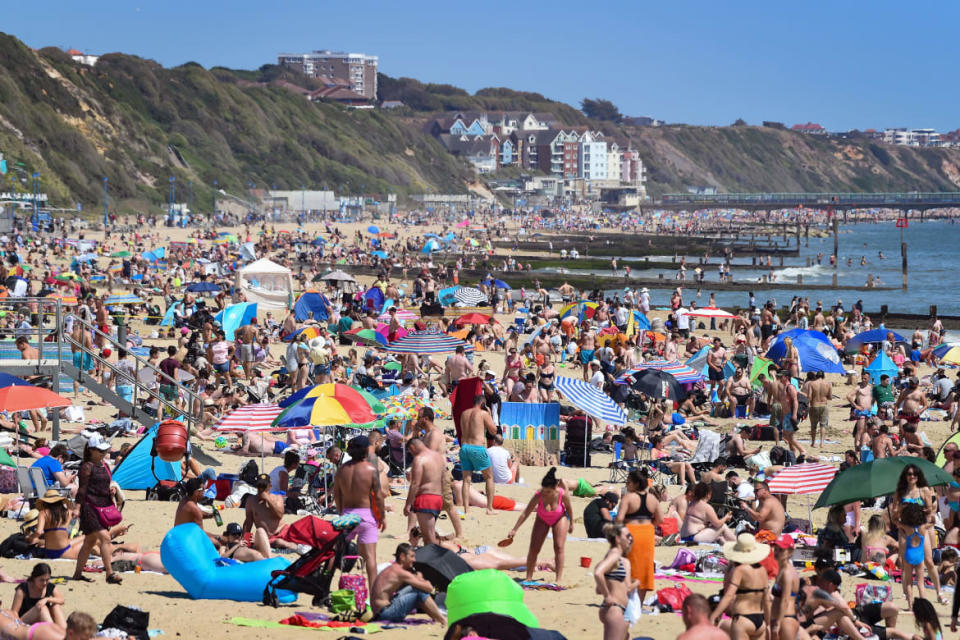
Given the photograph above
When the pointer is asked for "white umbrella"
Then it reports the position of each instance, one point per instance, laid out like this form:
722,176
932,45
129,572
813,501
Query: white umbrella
710,312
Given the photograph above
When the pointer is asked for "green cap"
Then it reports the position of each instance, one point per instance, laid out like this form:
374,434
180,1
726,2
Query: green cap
487,591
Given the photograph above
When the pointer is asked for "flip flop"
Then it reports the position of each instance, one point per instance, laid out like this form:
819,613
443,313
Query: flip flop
82,579
114,579
506,542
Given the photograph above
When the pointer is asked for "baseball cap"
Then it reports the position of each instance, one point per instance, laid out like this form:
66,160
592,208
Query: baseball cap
96,441
784,542
234,529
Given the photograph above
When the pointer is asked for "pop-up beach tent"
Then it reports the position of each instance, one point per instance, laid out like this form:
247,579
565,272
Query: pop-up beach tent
267,283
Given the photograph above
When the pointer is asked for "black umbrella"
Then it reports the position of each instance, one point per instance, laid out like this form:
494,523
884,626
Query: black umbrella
657,384
440,566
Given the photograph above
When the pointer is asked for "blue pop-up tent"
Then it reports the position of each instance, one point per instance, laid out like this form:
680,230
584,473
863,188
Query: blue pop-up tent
881,365
698,362
311,302
373,299
235,316
134,471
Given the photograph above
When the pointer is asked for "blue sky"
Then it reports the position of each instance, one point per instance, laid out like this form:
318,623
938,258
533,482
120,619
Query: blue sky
843,64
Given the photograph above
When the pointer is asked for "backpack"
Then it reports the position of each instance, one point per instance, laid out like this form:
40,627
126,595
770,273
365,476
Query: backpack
133,622
249,473
15,545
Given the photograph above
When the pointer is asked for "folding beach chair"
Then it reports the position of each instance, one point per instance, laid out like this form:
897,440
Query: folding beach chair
619,468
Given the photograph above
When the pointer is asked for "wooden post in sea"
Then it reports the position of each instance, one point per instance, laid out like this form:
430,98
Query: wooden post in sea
836,243
903,253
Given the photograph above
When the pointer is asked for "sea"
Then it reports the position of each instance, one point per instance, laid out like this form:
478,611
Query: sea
932,257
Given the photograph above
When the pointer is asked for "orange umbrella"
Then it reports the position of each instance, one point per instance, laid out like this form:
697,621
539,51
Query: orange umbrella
20,398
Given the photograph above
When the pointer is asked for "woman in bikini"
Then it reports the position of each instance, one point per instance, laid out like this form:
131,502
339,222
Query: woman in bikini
701,522
639,511
514,367
745,594
912,488
783,616
53,530
545,384
875,544
615,582
552,506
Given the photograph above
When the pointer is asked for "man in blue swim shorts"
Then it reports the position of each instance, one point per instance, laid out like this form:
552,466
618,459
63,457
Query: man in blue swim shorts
476,425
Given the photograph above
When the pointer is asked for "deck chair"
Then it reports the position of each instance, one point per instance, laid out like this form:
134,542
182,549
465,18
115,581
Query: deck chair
26,484
619,468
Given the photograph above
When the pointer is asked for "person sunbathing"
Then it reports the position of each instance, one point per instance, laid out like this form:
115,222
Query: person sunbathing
52,534
480,557
80,626
255,445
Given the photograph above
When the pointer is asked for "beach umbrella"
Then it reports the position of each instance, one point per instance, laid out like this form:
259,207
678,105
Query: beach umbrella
802,479
656,384
682,373
497,284
470,296
324,405
7,380
67,276
336,276
376,405
874,336
370,338
591,399
422,342
402,315
380,254
951,355
249,418
431,245
940,350
17,397
312,331
431,235
760,366
711,312
875,479
439,565
374,229
816,351
64,299
472,318
120,254
86,257
578,309
203,287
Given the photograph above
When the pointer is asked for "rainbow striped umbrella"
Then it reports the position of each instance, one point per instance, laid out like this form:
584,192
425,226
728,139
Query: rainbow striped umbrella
407,407
324,405
683,373
312,332
575,309
427,342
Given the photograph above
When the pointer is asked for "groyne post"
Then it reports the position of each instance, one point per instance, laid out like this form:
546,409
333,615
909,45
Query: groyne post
903,254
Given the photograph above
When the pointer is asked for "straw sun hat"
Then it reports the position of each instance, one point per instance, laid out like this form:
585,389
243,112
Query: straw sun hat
746,550
52,496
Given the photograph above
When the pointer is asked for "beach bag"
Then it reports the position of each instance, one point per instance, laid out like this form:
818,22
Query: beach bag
763,432
133,622
673,596
683,558
634,608
356,582
873,593
108,516
668,527
342,601
15,545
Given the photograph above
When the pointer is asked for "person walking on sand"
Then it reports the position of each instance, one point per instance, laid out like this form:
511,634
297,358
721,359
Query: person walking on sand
356,490
615,582
789,404
552,506
476,425
94,495
639,511
434,438
819,391
424,497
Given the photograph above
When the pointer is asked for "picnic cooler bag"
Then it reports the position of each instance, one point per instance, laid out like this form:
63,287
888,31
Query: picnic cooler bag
356,582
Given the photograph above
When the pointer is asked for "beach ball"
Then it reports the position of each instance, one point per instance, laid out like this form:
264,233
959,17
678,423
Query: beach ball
220,443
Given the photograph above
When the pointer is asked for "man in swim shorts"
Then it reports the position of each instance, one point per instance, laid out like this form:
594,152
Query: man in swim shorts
476,424
426,488
356,490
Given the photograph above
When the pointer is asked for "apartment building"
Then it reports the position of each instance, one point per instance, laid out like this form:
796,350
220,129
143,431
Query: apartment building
357,69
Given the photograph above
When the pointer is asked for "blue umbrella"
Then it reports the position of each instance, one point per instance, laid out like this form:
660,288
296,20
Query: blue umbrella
940,350
430,235
816,351
123,298
374,229
874,336
432,245
7,380
318,241
380,254
203,287
499,284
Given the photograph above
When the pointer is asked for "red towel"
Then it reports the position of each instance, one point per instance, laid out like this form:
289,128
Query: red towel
462,398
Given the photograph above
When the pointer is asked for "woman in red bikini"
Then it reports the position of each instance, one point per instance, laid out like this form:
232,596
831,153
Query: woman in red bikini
552,505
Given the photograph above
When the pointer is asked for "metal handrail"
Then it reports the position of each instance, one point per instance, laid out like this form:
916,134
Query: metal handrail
139,365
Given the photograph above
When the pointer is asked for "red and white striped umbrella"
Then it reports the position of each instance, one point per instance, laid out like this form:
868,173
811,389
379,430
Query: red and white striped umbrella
402,315
249,418
802,479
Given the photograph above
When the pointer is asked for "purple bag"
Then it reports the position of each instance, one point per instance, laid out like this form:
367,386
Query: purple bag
684,557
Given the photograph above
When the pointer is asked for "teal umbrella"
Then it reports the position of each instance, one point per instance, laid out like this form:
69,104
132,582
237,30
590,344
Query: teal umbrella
877,478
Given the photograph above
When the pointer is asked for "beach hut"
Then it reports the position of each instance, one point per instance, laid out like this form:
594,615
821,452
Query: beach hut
311,301
881,365
267,283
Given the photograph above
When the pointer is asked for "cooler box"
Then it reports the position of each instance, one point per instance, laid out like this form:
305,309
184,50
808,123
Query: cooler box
224,484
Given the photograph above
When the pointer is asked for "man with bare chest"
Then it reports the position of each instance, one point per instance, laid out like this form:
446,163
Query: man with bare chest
424,497
356,490
475,424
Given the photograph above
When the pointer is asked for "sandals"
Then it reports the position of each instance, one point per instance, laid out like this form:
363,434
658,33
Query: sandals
81,579
114,579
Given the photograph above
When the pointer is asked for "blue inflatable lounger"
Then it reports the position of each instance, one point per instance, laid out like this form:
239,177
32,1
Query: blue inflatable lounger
190,557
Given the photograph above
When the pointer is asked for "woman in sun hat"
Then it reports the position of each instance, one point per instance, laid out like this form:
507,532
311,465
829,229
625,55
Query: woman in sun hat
745,594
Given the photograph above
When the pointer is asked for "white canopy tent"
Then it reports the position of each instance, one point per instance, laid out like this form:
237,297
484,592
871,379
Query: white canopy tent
267,283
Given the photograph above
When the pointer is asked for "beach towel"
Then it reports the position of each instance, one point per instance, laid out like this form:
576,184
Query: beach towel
641,554
462,399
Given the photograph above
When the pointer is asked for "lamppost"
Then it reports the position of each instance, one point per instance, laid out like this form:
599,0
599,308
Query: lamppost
36,200
273,200
251,186
214,214
363,199
106,200
172,180
190,184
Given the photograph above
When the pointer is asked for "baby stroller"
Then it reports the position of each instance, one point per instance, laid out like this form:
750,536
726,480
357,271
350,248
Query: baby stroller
313,572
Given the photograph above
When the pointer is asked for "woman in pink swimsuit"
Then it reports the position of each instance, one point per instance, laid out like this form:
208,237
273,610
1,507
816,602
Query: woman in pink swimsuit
552,506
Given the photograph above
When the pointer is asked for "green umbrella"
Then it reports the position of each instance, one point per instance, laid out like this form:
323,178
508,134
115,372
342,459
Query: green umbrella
392,366
760,365
877,478
120,254
375,405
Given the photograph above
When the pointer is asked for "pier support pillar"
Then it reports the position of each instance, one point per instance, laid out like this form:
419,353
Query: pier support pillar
834,280
799,278
781,259
903,253
836,242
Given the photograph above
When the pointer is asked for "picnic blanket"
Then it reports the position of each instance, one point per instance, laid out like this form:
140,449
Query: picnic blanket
368,627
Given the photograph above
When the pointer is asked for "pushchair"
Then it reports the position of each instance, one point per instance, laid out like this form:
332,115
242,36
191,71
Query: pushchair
313,572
